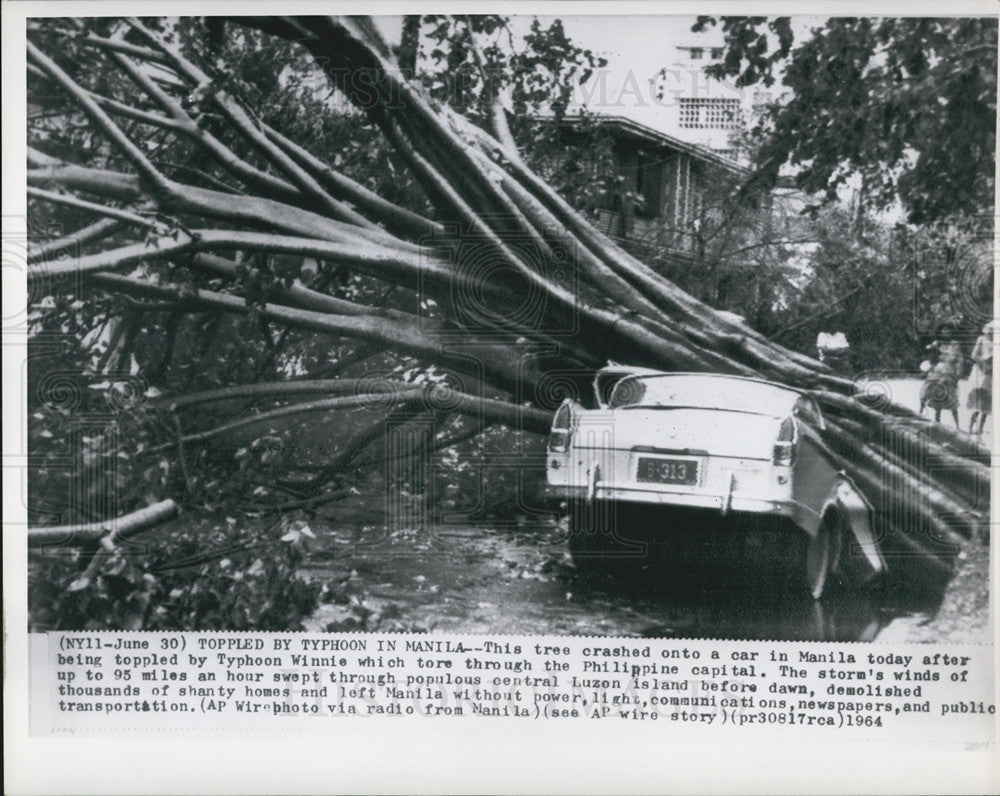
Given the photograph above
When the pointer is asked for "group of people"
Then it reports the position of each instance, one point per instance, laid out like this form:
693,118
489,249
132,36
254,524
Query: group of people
943,369
946,366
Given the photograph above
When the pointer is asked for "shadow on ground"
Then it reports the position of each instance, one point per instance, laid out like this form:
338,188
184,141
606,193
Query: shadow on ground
522,581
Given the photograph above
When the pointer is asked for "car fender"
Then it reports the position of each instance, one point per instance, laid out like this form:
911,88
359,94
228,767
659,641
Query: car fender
846,498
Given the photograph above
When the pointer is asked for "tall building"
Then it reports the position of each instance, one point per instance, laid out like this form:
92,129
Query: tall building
699,109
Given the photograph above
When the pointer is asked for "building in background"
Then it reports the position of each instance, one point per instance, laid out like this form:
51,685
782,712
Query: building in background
699,109
678,143
665,186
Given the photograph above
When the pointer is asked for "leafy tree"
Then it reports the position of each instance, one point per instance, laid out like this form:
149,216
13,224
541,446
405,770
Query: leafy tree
853,280
907,103
481,68
520,85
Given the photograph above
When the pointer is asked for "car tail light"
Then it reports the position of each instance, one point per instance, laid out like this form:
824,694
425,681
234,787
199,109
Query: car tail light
561,428
786,444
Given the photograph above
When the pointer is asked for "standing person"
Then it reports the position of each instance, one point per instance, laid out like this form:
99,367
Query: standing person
834,350
940,387
981,395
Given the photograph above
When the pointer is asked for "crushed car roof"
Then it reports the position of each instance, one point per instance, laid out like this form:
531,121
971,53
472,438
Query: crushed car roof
777,398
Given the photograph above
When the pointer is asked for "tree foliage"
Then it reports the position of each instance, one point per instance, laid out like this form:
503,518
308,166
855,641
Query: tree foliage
907,103
198,576
471,62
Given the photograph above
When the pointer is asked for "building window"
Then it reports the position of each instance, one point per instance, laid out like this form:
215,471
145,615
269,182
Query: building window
716,52
697,53
710,113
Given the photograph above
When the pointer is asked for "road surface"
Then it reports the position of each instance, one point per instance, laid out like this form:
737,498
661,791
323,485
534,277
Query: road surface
906,392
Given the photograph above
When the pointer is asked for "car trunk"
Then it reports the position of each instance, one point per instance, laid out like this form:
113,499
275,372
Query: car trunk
707,431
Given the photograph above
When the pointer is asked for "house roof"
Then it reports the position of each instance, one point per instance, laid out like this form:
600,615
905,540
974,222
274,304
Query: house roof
649,135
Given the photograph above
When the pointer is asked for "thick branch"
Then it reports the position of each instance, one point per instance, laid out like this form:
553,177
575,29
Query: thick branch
92,207
415,272
72,242
242,122
120,46
98,117
422,398
351,402
397,219
495,361
115,530
182,122
435,396
254,211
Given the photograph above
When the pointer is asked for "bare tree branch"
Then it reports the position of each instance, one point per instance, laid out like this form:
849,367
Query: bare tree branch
99,117
72,242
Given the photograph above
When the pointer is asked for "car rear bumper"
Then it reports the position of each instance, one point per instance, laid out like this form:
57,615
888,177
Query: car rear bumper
665,497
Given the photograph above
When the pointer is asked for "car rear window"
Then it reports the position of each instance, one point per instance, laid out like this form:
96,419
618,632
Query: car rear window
706,392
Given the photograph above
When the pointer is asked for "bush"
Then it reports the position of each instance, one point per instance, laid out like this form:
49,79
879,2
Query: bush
180,577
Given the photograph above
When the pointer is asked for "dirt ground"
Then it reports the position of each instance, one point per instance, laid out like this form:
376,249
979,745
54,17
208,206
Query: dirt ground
963,615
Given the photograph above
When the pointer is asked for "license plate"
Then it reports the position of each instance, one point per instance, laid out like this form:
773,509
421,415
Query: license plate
668,471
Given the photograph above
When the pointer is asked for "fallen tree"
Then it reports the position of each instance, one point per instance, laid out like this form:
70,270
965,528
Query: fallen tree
522,289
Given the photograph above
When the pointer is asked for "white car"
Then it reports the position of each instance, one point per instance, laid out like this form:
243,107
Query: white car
713,446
